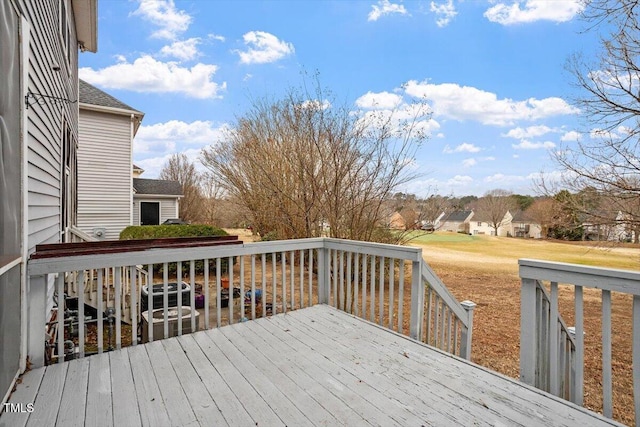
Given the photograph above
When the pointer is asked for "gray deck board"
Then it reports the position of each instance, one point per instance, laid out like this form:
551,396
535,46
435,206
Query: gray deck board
258,409
47,403
74,395
228,404
153,410
26,392
123,392
174,398
202,404
99,411
268,391
289,385
292,365
317,366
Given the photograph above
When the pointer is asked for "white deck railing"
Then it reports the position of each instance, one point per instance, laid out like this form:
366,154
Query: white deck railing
550,358
369,280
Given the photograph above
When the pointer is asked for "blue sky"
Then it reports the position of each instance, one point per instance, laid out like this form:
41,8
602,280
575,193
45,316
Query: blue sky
492,73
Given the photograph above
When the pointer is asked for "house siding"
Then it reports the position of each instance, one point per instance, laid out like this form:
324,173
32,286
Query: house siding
42,124
45,120
104,168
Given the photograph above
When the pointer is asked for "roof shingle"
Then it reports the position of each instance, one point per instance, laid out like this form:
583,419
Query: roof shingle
92,95
157,186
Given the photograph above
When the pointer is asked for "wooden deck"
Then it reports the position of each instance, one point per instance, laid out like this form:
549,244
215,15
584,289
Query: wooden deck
315,366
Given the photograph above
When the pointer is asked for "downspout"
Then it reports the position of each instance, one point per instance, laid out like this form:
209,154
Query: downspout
131,132
24,183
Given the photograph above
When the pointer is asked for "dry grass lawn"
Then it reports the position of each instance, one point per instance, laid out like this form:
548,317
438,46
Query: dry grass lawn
485,270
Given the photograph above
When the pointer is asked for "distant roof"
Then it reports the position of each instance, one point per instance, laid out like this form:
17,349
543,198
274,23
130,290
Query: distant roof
136,167
92,95
459,216
157,186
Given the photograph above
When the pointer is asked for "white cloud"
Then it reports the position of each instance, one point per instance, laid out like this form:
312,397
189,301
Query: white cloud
263,48
506,179
146,74
468,103
465,147
315,104
459,180
216,37
163,13
534,10
445,12
619,132
184,50
415,115
528,145
384,7
153,165
381,100
529,132
570,136
467,163
197,132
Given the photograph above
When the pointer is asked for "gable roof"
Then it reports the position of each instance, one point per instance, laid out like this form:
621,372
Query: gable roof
91,95
484,216
157,187
457,216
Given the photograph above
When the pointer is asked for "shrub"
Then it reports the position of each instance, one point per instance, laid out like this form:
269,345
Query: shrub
160,231
167,231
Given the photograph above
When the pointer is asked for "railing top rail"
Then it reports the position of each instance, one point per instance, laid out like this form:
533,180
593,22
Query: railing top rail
378,249
626,281
86,261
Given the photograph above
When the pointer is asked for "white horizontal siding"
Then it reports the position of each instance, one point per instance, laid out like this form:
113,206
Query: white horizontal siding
168,209
45,119
104,173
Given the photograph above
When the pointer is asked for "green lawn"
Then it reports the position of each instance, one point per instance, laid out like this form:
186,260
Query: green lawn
495,249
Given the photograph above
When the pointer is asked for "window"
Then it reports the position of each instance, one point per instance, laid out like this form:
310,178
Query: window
479,224
10,140
149,213
65,32
68,183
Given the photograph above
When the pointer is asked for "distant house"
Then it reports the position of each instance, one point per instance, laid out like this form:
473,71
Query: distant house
106,131
111,194
523,226
433,224
606,226
457,221
397,222
155,201
482,224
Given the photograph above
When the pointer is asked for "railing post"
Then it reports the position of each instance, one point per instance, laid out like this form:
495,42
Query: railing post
417,301
635,357
37,307
323,275
467,333
528,351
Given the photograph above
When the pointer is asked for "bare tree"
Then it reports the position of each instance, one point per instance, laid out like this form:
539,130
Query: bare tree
544,211
301,164
180,168
495,204
431,208
607,161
